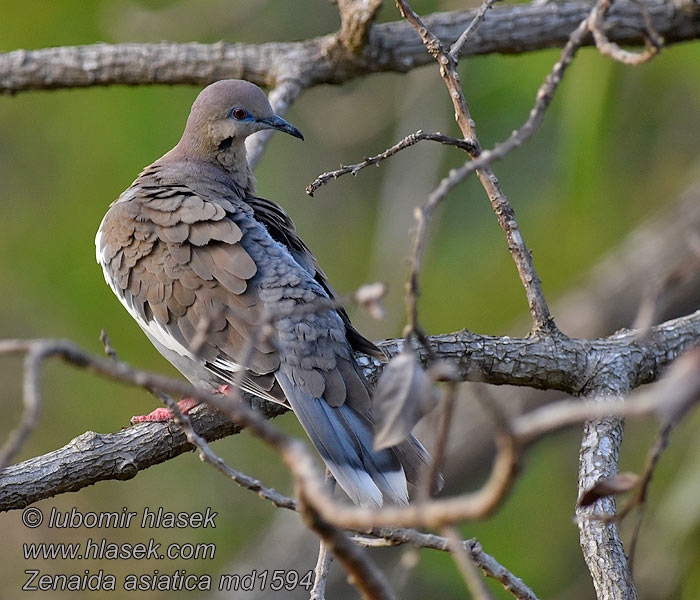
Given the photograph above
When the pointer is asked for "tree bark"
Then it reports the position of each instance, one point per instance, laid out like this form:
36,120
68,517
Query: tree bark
393,47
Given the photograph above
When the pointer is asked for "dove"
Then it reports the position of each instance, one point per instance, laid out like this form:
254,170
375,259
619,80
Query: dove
190,248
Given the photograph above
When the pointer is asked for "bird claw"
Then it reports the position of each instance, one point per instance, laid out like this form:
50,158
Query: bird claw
163,414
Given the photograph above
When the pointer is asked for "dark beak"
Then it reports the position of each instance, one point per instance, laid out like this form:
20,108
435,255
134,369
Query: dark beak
278,123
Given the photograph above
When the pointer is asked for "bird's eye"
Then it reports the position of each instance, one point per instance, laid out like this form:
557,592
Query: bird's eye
239,113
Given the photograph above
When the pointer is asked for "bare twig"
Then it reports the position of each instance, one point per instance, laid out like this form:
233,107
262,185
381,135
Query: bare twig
640,498
422,216
466,565
325,556
443,432
406,142
487,563
653,41
362,572
318,592
631,553
206,454
478,18
109,349
32,405
480,163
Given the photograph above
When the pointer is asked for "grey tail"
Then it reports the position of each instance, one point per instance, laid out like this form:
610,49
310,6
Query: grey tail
343,438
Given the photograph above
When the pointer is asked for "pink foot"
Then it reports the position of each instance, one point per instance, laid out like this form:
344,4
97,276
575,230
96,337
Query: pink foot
163,414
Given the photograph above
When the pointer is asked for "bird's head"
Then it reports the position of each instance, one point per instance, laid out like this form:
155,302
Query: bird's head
227,112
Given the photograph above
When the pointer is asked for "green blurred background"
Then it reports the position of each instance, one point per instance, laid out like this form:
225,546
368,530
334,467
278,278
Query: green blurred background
618,145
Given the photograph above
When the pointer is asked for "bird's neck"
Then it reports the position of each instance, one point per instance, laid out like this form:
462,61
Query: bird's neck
231,156
228,160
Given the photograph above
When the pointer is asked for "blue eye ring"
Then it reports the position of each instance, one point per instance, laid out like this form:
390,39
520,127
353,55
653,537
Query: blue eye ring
238,113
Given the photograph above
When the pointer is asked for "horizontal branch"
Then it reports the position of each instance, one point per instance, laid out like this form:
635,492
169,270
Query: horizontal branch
93,457
391,46
575,366
567,364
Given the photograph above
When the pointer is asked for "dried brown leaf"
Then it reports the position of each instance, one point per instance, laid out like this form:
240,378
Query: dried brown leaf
403,396
623,482
680,386
443,370
369,297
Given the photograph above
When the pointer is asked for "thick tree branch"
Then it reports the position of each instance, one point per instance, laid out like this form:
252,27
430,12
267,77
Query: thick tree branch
476,505
356,18
571,365
390,47
599,537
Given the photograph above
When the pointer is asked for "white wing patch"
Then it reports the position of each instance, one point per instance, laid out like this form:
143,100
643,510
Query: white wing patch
160,333
153,327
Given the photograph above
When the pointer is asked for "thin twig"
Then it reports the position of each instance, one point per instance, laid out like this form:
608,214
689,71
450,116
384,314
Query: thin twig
487,563
32,405
408,141
441,438
631,553
640,497
466,565
363,573
422,215
206,454
325,556
481,160
653,41
653,455
478,18
109,349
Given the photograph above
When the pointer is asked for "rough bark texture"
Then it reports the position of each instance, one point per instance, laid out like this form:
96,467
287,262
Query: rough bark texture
608,300
391,47
600,542
567,364
582,367
93,457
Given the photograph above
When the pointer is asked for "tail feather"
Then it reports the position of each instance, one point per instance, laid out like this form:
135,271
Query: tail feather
415,460
344,440
384,466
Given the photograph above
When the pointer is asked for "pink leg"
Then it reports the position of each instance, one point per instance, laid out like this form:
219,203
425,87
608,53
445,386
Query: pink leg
163,414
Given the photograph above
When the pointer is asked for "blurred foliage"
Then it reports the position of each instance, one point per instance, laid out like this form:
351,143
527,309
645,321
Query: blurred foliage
617,145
